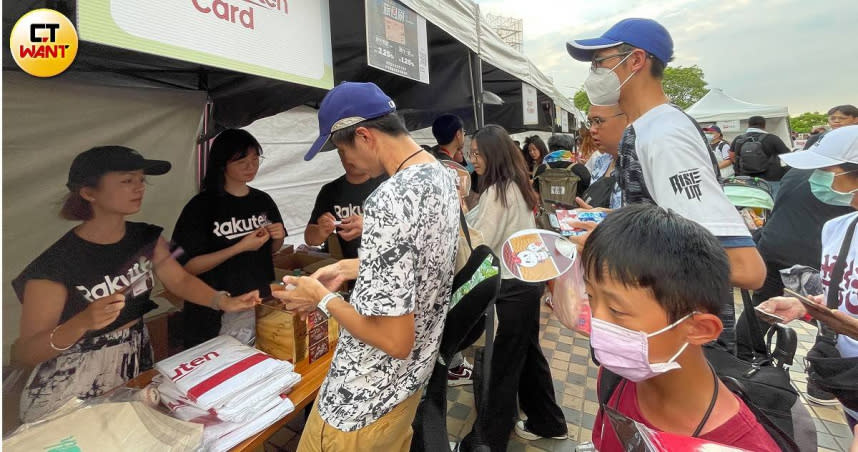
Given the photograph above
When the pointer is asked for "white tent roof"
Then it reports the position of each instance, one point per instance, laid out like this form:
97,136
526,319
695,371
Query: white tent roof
459,18
717,106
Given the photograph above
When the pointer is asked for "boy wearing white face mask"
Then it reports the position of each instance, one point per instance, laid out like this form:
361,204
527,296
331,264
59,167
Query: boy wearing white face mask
663,157
656,281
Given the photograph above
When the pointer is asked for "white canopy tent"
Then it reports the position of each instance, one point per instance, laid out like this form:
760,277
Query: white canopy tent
731,115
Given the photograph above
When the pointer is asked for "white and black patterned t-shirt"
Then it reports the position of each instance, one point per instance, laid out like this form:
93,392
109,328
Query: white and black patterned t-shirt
407,259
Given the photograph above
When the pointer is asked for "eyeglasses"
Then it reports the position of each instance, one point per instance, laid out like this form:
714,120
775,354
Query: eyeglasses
473,154
597,121
838,119
248,162
597,62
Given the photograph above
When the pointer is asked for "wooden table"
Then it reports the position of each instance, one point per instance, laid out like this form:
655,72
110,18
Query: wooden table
301,395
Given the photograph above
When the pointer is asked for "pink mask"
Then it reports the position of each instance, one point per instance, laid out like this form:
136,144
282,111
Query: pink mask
626,352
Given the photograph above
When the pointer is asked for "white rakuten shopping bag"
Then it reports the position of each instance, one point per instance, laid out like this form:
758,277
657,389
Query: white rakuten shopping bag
217,369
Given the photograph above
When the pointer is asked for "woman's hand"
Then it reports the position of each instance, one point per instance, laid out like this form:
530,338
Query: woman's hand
304,297
102,312
241,302
276,231
254,240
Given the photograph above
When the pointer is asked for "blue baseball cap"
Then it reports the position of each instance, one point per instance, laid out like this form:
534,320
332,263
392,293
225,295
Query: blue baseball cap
645,34
346,105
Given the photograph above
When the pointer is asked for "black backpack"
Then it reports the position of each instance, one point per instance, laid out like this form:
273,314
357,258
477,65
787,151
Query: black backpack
752,158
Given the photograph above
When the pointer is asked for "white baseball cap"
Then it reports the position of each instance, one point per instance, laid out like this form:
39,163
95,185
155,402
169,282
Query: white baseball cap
833,148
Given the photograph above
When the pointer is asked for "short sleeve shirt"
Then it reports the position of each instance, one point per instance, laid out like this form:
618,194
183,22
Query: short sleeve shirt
343,199
406,266
90,271
664,160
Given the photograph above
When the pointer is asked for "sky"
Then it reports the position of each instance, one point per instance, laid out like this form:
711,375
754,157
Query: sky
780,52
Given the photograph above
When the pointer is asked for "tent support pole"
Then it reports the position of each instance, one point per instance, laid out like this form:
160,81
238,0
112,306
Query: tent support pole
476,66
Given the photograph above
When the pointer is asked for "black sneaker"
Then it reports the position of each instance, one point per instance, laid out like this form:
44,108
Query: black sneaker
817,395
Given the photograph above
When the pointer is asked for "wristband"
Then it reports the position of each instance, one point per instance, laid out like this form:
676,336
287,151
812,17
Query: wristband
51,341
807,317
323,304
217,298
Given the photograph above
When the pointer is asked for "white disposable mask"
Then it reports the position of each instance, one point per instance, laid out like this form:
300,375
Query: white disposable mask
710,136
603,85
626,352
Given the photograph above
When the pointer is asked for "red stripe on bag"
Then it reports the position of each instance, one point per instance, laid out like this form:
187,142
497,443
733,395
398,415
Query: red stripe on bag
209,383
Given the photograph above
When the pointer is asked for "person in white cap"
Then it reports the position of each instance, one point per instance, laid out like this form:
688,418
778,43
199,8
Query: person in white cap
834,157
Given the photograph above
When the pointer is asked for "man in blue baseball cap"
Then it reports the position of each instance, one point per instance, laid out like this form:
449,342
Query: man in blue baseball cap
664,157
391,327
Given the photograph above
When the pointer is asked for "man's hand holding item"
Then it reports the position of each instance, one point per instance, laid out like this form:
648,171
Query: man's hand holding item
790,309
351,227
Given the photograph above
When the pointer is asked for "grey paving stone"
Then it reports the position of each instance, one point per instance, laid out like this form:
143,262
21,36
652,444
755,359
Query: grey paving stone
458,411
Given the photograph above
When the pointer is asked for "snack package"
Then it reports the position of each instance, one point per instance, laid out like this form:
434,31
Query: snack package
565,218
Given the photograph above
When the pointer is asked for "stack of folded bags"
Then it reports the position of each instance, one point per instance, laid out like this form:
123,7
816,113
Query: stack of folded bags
234,390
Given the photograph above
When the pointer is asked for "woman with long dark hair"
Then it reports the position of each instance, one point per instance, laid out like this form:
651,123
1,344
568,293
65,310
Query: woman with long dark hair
534,151
84,298
229,232
519,369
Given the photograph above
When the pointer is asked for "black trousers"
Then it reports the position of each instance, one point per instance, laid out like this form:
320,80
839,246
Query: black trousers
772,287
519,369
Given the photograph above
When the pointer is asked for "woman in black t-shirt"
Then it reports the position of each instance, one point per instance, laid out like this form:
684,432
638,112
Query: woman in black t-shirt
85,296
229,232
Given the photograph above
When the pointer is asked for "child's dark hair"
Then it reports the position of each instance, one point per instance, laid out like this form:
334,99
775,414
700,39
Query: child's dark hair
228,146
646,246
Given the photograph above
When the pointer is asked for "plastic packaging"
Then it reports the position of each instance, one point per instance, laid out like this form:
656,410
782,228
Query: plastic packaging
101,424
637,437
569,299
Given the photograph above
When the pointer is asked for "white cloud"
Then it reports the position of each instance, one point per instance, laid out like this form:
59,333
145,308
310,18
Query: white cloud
784,52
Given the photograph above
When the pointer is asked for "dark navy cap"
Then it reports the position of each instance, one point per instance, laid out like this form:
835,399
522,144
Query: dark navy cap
347,104
98,161
645,34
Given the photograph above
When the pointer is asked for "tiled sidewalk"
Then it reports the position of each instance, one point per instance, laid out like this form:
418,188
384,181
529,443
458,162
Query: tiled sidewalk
575,387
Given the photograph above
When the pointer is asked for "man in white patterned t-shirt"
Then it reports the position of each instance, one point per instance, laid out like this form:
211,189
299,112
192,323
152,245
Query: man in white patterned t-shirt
392,326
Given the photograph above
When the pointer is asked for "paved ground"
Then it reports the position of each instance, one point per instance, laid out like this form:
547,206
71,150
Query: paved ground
575,386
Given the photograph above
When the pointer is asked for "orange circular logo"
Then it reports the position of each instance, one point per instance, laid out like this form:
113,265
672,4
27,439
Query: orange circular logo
43,43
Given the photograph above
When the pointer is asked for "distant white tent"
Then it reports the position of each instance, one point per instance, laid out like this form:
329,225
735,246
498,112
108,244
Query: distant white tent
731,115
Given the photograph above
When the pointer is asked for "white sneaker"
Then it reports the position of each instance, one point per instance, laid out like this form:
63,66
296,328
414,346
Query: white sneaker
461,375
523,433
454,446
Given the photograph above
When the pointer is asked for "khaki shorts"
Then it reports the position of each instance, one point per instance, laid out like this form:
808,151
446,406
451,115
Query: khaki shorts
391,432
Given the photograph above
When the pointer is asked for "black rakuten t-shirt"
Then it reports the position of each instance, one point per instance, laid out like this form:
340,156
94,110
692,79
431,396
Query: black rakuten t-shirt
343,199
211,222
90,271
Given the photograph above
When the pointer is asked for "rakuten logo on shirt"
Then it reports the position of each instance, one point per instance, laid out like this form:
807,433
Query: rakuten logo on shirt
112,284
182,370
233,229
347,211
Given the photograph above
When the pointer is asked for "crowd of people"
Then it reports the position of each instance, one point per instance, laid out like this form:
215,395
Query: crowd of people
659,271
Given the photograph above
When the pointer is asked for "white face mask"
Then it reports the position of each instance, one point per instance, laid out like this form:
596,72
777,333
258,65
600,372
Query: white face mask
603,85
626,352
710,136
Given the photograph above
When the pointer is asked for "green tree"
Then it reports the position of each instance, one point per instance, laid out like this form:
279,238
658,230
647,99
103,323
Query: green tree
684,85
582,102
804,122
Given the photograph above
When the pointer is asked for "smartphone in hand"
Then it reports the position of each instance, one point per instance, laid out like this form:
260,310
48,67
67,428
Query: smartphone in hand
767,316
